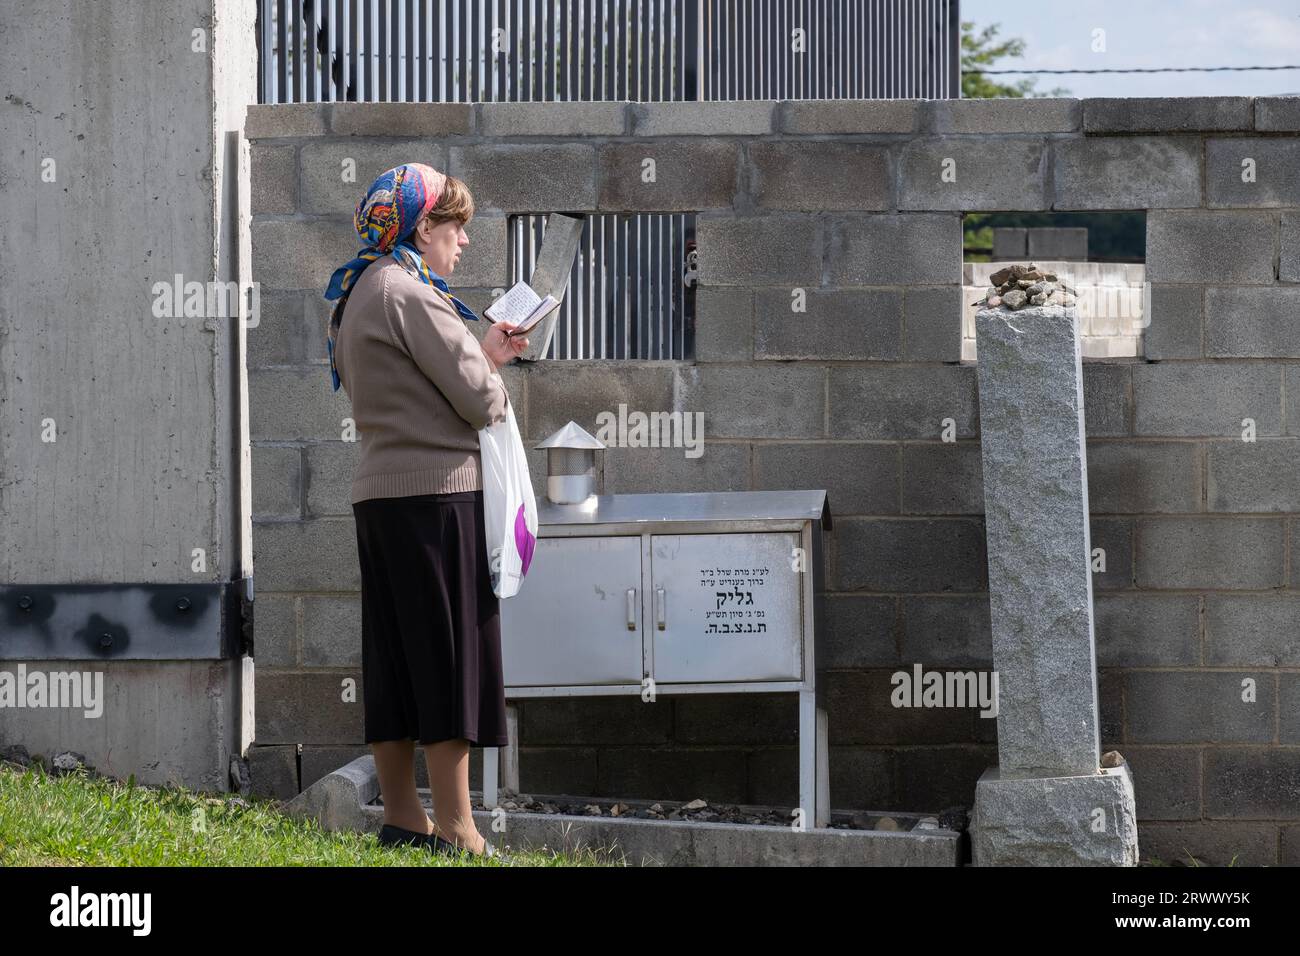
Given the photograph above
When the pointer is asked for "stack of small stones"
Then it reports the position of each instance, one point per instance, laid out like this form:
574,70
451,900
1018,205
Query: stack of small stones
1018,286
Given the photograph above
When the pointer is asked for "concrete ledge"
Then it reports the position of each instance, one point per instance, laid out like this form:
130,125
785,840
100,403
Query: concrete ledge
1166,114
344,800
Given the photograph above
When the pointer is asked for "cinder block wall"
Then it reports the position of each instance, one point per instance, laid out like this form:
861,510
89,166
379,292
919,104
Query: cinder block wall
845,201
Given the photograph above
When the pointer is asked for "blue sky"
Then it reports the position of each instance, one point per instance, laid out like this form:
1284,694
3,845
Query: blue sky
1148,33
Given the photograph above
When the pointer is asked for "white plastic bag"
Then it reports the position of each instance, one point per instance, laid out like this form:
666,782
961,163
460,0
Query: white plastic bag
509,508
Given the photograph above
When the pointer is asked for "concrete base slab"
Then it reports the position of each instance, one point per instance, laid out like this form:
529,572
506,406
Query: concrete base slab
167,722
344,800
1086,820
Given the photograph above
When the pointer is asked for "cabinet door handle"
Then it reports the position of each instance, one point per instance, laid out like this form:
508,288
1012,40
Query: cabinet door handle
631,609
661,601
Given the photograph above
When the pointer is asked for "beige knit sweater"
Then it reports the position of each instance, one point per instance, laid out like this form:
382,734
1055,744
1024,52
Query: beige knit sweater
420,385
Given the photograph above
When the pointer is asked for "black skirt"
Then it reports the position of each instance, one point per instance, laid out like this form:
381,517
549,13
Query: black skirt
430,623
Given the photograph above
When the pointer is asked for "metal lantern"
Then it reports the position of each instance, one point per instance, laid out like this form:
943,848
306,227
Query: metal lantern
570,464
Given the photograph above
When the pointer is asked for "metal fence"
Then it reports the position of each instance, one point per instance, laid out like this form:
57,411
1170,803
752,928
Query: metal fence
631,293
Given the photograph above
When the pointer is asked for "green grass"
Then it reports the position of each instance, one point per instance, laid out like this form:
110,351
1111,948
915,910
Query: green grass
82,820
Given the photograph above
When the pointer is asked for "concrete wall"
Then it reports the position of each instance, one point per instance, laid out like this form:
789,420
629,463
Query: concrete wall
122,165
845,199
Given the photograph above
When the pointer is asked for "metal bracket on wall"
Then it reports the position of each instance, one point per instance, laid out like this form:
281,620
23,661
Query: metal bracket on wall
202,621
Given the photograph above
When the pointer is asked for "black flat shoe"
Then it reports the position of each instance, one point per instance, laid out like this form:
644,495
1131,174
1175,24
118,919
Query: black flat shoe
390,835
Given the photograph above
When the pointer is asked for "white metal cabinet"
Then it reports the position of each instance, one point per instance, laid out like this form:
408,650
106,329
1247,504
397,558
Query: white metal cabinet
577,619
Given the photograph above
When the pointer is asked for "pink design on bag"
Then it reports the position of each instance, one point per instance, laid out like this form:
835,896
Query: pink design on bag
524,541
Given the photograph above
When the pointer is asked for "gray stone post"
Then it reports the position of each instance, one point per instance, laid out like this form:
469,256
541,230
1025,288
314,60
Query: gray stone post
1048,801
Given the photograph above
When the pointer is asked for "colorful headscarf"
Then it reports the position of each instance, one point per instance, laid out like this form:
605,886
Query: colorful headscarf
384,219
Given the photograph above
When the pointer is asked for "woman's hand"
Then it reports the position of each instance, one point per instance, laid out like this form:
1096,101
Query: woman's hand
498,348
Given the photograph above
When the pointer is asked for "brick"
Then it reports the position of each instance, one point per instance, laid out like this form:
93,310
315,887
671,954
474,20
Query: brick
295,404
757,401
1166,114
558,769
275,630
688,175
1190,707
858,631
1142,477
642,773
703,118
331,631
486,260
1289,264
759,250
1147,630
277,481
1107,399
860,712
724,325
1126,172
723,466
932,324
1252,783
300,254
1114,538
596,721
942,478
820,117
861,778
1110,707
400,119
329,470
1276,172
273,186
1185,399
713,719
585,118
323,165
1057,242
1005,115
1200,246
982,174
1277,114
308,707
910,555
1252,323
1208,843
273,771
318,555
931,779
862,324
1173,327
1166,782
830,175
911,249
859,477
1252,630
903,402
1010,243
279,120
947,631
581,391
557,177
289,329
1253,476
1210,552
1288,696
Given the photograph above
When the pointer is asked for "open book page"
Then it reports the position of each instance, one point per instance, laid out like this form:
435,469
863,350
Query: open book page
543,309
514,306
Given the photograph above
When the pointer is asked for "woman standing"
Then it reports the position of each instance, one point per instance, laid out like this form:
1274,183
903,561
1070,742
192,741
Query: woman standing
421,386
